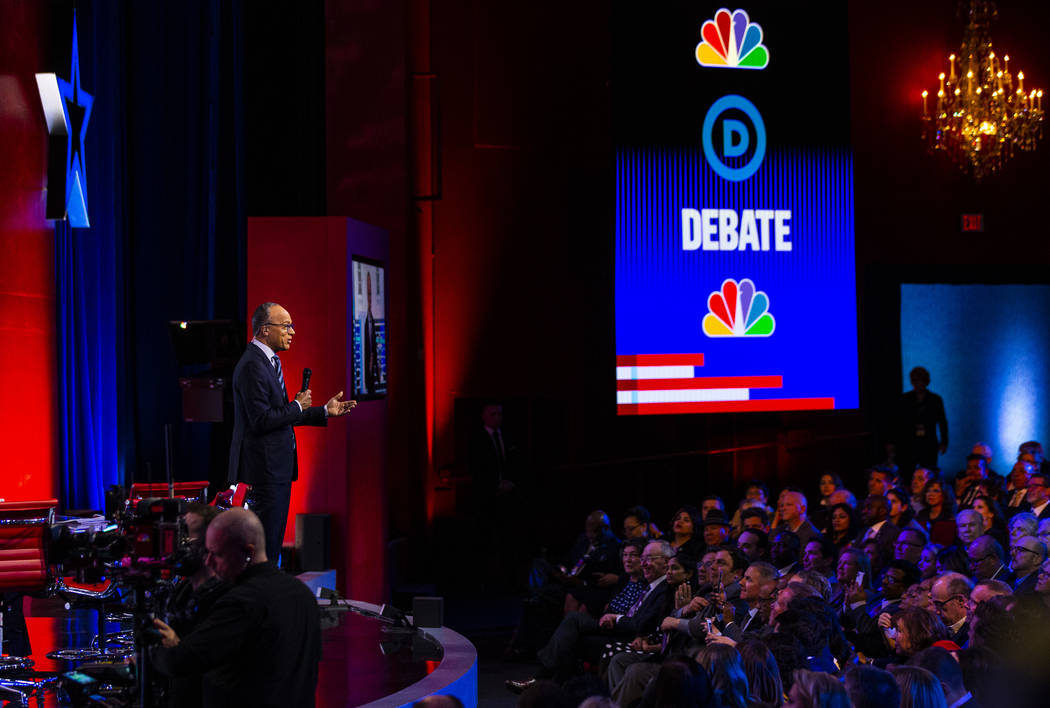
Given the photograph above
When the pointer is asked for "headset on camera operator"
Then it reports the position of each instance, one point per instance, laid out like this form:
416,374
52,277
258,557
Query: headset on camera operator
261,643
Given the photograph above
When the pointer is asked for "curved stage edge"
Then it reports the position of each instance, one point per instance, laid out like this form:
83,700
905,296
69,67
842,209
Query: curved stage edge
456,675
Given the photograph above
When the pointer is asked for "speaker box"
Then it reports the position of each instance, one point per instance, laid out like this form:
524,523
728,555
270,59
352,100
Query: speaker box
428,611
313,541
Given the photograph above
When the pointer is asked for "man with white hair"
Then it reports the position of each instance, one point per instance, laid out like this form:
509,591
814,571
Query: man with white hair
792,509
969,526
261,644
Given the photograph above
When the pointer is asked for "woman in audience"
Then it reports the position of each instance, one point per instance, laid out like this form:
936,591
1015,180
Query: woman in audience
726,671
843,526
686,531
763,675
815,689
919,688
829,483
938,516
919,478
993,518
916,630
851,563
953,559
928,560
901,513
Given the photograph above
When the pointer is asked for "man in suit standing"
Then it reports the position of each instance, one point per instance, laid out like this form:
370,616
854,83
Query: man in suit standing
263,452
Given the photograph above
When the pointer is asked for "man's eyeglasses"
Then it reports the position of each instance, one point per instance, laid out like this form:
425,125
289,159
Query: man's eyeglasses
285,327
978,561
941,603
630,529
1018,549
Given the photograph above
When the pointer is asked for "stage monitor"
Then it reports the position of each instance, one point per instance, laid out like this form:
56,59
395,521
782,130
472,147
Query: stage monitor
369,288
735,271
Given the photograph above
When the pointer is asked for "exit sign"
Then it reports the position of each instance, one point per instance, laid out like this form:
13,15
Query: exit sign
972,222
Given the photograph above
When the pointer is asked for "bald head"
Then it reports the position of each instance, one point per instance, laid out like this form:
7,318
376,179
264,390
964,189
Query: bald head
235,541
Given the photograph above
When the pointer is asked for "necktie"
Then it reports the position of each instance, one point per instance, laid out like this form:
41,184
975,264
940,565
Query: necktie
498,441
280,375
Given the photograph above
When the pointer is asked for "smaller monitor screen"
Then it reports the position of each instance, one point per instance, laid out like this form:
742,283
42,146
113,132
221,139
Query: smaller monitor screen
369,337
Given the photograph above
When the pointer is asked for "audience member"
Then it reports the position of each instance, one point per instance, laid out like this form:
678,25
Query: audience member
966,484
754,544
828,485
950,596
686,530
919,688
679,682
637,523
755,519
988,560
928,560
763,674
785,549
842,496
879,481
819,556
901,513
716,528
952,560
919,478
1038,497
1017,487
993,521
1026,555
917,630
938,514
1022,524
878,528
726,671
968,526
872,687
814,689
939,662
792,511
844,526
910,543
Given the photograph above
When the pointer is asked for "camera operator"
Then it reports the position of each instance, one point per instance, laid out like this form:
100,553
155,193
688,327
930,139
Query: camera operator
261,643
193,597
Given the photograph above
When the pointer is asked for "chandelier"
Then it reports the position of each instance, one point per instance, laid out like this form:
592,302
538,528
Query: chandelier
980,116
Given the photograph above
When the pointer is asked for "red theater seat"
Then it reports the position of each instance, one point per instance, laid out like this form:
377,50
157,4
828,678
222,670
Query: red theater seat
23,544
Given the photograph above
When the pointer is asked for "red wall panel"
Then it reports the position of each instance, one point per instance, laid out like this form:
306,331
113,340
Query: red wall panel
27,283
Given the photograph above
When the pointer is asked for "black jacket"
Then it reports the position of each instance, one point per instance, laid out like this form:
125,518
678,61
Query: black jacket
263,448
260,645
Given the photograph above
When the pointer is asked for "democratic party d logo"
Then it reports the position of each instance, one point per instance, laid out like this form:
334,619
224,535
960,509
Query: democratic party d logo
736,138
732,42
738,311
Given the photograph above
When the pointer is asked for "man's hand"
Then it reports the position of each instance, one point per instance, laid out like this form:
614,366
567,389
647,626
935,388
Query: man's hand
304,398
670,624
607,621
168,638
855,593
337,407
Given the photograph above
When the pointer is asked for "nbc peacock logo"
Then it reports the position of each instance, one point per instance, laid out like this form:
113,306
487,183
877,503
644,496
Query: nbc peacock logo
732,41
738,310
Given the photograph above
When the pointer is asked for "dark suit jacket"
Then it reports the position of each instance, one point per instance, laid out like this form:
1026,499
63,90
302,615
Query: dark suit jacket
260,645
646,620
885,538
263,448
1026,585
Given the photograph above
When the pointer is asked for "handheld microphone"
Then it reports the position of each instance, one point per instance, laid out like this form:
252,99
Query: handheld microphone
306,378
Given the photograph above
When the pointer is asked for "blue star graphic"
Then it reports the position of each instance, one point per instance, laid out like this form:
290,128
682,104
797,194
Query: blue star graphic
76,105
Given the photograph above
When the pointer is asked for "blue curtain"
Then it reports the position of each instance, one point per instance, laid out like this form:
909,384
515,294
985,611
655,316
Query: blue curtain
165,150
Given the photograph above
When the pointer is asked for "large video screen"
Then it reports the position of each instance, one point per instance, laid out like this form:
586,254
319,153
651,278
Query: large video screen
369,287
735,272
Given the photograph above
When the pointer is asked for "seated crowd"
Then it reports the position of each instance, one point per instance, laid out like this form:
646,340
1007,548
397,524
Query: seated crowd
931,590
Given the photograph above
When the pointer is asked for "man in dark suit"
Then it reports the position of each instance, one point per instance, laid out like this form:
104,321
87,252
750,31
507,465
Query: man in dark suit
261,643
579,636
950,595
1038,496
1026,555
875,514
263,450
